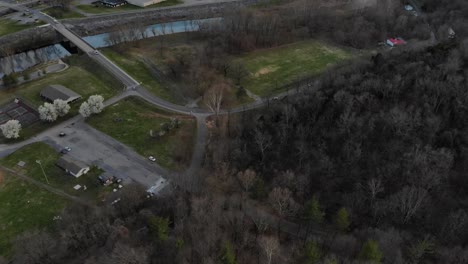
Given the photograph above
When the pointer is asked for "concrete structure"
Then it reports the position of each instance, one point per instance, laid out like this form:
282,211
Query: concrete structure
71,166
144,3
53,92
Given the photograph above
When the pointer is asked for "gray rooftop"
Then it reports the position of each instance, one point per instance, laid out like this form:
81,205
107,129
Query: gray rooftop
71,165
53,92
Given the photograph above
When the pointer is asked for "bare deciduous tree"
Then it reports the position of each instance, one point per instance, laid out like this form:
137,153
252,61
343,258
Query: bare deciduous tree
408,201
247,179
269,245
263,141
282,201
34,247
125,254
214,97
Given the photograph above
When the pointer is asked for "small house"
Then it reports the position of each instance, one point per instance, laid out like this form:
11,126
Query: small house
112,3
71,166
393,42
53,92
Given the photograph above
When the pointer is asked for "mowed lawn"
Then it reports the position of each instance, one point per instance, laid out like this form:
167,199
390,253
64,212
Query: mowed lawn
271,69
8,26
130,121
138,70
74,78
56,177
24,206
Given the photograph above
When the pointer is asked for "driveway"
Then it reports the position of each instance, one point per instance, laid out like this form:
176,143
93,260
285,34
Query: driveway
95,148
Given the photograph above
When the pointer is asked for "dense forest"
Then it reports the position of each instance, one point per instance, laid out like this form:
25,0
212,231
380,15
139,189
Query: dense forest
366,163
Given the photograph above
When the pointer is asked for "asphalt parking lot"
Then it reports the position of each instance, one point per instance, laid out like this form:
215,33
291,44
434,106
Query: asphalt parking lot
95,148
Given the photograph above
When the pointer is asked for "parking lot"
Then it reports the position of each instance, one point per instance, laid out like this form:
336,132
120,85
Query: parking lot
95,148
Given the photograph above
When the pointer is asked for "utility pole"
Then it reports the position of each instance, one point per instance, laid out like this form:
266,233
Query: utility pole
45,176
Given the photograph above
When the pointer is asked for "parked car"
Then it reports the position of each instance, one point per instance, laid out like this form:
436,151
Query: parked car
151,158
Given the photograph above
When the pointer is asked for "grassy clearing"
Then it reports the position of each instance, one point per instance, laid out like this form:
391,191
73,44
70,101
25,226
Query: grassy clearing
138,70
271,69
57,177
61,13
172,150
24,206
8,26
74,78
82,77
102,9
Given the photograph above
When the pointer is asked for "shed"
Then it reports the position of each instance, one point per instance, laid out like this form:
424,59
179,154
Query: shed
53,92
392,42
71,166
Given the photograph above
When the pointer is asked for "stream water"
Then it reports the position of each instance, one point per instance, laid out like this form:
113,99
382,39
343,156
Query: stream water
25,60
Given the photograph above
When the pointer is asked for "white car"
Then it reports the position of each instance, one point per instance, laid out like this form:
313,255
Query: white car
153,159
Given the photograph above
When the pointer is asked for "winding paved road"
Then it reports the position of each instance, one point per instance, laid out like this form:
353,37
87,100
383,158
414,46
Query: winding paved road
146,175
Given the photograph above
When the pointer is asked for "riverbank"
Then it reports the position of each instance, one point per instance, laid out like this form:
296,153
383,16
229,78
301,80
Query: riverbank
45,35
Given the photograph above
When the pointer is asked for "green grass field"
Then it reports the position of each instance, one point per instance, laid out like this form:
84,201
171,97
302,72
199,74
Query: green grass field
137,119
24,206
8,26
138,70
56,176
272,69
102,9
76,78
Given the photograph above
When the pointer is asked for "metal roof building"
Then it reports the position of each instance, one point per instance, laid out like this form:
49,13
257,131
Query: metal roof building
144,3
53,92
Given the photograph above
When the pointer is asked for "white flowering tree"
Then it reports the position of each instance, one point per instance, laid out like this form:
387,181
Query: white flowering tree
96,103
47,112
85,110
11,129
61,107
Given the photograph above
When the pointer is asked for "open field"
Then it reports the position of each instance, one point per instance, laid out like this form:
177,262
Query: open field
56,176
102,9
61,13
77,78
24,206
8,26
74,78
150,50
138,70
130,121
271,69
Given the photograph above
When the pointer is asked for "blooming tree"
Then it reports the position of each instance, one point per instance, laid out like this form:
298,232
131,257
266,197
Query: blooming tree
96,103
85,110
11,129
61,107
47,112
